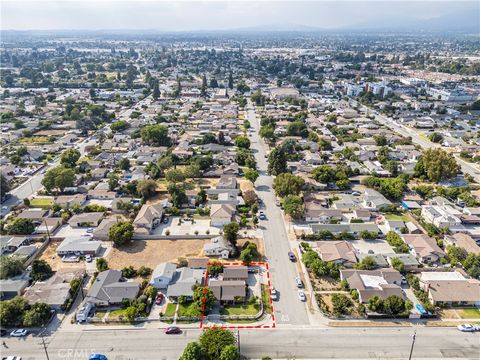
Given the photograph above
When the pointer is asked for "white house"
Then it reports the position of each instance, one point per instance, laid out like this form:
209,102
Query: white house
162,275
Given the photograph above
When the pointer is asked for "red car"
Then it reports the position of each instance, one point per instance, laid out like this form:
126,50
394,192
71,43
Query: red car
173,330
159,299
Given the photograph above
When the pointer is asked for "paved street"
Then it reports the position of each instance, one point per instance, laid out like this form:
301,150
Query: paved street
291,342
289,309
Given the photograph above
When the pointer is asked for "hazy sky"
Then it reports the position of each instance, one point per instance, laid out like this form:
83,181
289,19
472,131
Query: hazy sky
218,15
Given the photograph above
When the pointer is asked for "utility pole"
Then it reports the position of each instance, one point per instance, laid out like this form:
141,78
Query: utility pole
413,343
45,347
238,340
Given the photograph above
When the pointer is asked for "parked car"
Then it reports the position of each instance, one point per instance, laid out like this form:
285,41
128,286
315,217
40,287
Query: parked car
292,256
88,258
173,330
261,215
356,193
274,294
277,202
466,328
19,333
159,298
97,357
301,295
299,282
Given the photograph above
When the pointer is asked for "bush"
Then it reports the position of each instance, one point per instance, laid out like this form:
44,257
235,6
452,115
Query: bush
341,304
144,271
129,272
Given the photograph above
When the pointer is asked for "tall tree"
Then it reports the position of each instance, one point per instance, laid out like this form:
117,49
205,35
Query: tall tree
230,80
277,161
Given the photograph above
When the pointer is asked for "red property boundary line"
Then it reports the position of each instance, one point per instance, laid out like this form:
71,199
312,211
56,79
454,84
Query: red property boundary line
239,263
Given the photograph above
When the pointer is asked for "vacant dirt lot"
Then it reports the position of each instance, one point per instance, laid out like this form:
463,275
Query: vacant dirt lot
153,252
51,257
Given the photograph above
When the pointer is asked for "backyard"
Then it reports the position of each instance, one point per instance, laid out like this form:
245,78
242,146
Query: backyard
153,252
251,308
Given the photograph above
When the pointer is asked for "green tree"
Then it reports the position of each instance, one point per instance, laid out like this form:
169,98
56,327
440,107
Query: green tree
192,171
156,90
119,125
287,184
251,175
192,351
375,303
203,296
21,227
69,158
341,304
230,231
113,181
58,178
155,135
367,263
175,176
293,206
12,311
436,165
37,315
214,268
124,164
120,232
249,253
242,142
177,195
131,313
277,162
10,266
101,264
394,305
214,340
147,188
398,264
41,270
436,137
229,352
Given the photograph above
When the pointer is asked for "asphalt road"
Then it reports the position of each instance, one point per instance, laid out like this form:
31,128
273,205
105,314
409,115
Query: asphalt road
298,343
288,309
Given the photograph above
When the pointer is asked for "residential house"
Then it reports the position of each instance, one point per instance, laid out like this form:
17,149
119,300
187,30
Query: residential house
9,288
91,219
235,273
352,228
368,283
183,282
423,247
218,246
148,218
227,182
109,288
339,252
79,245
221,214
409,261
440,216
464,241
55,291
373,200
322,215
228,291
162,275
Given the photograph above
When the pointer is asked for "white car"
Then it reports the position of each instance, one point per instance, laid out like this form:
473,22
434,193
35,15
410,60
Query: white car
19,333
466,328
301,295
274,294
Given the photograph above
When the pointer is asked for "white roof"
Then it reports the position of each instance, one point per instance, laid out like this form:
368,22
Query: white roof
372,281
444,275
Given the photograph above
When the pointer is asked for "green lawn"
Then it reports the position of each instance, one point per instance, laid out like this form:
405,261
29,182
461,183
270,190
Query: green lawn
188,310
266,299
469,313
240,309
396,217
117,313
42,203
170,311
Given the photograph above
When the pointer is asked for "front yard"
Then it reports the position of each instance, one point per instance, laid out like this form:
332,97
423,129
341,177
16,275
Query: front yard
248,309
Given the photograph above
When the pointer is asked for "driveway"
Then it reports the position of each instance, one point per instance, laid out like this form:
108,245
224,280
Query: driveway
288,310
